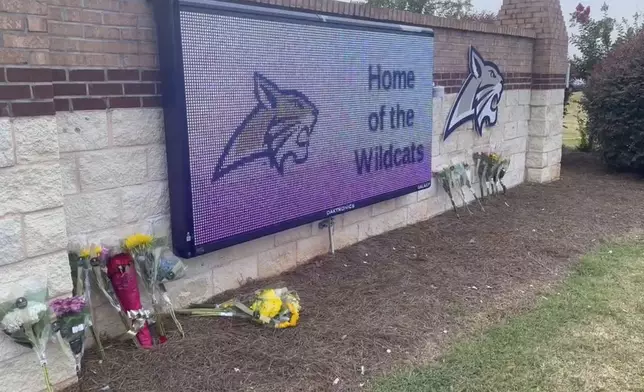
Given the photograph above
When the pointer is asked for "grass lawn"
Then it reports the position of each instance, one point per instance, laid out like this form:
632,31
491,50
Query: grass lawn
588,335
571,135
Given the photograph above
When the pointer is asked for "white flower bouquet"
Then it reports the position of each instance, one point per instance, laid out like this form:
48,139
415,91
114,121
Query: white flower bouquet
24,316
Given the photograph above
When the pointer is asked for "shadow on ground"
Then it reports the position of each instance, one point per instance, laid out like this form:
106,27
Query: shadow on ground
393,300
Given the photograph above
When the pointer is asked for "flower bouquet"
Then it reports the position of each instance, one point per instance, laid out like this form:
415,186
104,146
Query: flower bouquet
25,318
279,308
154,266
114,277
72,320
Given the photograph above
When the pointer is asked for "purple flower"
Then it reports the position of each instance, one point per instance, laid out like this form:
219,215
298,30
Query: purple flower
65,306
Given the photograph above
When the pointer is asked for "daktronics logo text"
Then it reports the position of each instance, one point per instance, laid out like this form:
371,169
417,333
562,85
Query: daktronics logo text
340,209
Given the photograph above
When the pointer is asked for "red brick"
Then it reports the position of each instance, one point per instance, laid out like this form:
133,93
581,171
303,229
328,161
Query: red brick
124,102
67,3
10,56
123,74
26,41
86,75
150,75
107,5
105,89
65,29
136,6
148,47
88,103
139,34
102,32
11,22
2,77
25,109
151,102
4,110
33,7
10,92
85,59
139,88
62,105
43,91
61,89
29,74
119,19
146,21
158,88
58,75
37,24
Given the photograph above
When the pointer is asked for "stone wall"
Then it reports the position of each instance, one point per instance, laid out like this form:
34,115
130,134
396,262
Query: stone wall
82,151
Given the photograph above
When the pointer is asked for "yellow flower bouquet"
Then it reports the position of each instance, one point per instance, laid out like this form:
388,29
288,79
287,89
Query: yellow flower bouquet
279,308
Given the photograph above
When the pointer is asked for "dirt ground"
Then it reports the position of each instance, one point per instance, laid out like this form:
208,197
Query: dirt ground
394,300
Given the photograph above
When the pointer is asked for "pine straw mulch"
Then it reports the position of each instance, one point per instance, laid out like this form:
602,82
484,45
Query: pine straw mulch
394,300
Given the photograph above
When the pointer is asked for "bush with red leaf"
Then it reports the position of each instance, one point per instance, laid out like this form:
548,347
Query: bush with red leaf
614,101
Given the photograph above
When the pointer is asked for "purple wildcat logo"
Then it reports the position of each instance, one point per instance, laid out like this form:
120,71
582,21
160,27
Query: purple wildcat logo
478,100
279,128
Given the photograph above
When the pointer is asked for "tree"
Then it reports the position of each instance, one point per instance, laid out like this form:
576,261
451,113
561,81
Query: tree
461,9
597,37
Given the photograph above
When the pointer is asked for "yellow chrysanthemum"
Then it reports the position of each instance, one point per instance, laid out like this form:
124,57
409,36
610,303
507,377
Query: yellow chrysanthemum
267,304
96,251
84,254
295,316
138,240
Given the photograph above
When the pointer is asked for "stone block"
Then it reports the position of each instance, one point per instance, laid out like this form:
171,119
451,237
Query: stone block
418,211
112,168
383,206
511,98
235,274
523,127
538,175
544,143
45,231
191,289
308,248
27,188
294,234
24,374
36,139
513,146
555,172
87,212
357,215
7,157
536,159
59,281
241,251
538,128
131,127
406,200
10,349
82,130
346,236
144,201
156,161
382,223
510,130
525,97
69,173
11,235
277,260
554,157
438,204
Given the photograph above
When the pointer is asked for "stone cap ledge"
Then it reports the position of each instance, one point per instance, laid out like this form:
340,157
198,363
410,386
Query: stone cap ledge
362,10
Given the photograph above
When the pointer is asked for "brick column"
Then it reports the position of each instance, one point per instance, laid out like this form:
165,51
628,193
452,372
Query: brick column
33,237
549,67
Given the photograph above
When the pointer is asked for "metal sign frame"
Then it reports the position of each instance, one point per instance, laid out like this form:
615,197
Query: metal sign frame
175,112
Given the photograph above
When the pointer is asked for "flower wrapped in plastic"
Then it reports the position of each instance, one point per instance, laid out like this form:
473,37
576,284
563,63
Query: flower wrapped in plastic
279,308
154,265
72,321
25,318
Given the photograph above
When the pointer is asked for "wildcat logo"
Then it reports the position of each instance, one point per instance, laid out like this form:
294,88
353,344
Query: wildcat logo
279,128
479,97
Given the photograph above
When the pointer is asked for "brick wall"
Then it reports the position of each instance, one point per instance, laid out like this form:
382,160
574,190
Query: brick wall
82,150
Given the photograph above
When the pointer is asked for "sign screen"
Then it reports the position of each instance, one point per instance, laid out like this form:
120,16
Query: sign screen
290,117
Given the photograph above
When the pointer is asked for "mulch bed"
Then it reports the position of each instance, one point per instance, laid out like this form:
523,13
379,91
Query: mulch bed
394,300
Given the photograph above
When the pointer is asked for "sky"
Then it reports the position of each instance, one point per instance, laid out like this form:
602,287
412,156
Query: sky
617,9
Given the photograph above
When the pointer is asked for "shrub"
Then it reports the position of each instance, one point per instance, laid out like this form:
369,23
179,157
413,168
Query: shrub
614,102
